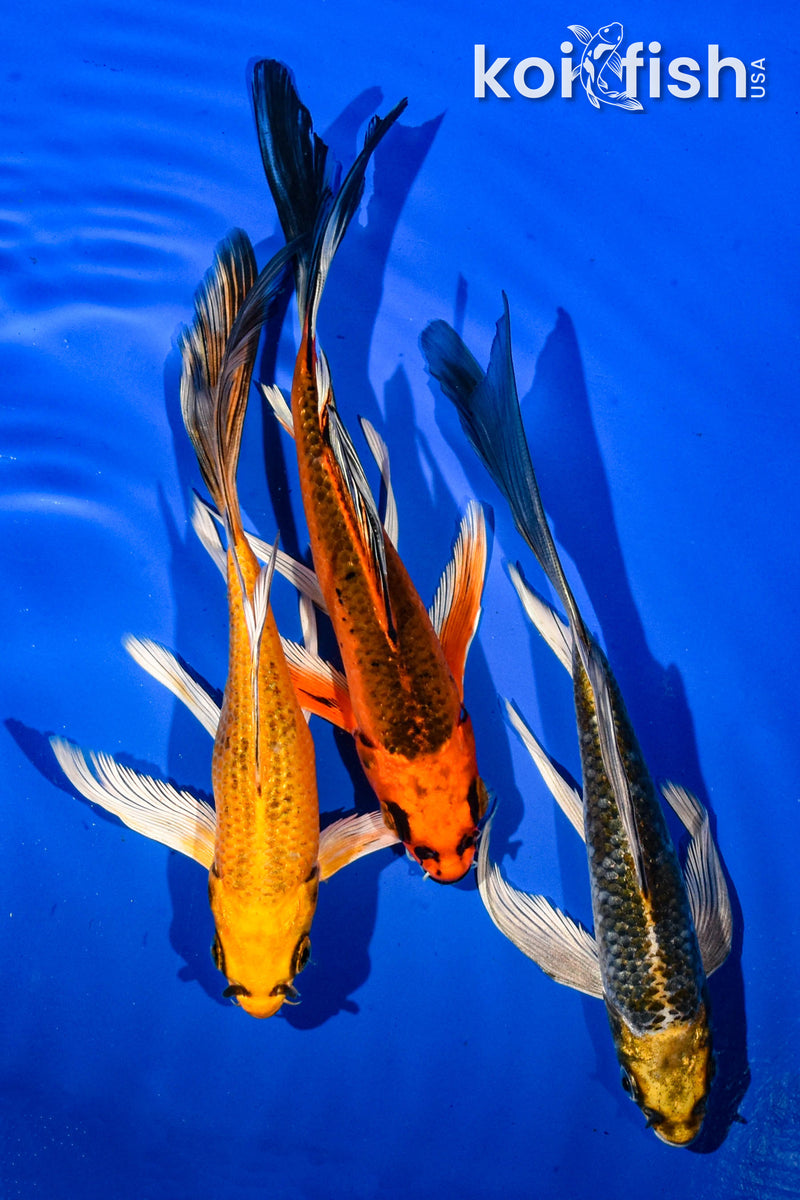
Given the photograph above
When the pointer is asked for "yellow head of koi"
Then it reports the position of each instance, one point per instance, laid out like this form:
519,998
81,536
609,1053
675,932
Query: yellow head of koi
261,946
668,1073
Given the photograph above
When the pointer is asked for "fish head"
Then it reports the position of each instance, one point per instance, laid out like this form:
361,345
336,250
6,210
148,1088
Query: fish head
262,943
668,1073
434,802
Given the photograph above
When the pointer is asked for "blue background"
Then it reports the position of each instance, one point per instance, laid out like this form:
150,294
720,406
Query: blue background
650,262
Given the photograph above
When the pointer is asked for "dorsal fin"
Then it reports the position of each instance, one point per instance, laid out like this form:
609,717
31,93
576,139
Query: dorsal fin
380,452
456,607
365,510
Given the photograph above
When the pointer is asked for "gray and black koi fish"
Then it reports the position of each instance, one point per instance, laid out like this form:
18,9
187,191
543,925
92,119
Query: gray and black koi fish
658,931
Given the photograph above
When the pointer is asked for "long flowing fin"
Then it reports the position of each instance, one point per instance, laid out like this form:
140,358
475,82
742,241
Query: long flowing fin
277,402
552,627
488,408
365,509
705,879
319,687
205,519
218,352
490,415
380,452
566,795
331,229
165,667
351,838
303,179
563,948
150,806
456,607
298,165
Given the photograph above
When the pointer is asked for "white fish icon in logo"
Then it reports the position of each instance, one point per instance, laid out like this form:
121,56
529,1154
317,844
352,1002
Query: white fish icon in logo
600,56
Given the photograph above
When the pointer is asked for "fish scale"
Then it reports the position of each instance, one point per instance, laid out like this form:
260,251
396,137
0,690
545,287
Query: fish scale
265,842
404,684
651,968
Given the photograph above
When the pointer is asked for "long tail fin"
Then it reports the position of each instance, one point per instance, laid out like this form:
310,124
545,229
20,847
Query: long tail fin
218,351
488,406
302,176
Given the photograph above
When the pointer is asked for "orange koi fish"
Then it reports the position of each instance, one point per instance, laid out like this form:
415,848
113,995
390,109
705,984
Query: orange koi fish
262,846
403,699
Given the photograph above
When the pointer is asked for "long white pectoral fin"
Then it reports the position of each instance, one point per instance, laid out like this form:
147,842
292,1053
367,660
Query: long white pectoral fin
298,574
567,797
563,948
277,402
350,838
705,879
164,666
150,806
553,628
456,607
380,452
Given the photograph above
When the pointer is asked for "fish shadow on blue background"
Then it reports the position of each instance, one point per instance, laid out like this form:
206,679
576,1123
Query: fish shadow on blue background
577,498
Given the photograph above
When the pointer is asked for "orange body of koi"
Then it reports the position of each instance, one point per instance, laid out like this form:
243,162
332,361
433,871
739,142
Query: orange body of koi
404,697
264,876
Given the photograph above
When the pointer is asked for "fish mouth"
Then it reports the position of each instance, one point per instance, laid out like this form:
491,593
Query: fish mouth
680,1136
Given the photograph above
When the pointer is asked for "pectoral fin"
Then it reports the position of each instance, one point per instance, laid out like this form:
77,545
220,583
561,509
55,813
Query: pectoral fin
553,628
705,880
150,806
350,838
456,607
564,949
319,687
567,796
165,667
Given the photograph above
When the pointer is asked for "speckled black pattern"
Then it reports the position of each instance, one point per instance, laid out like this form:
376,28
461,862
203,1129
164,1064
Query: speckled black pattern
413,700
649,956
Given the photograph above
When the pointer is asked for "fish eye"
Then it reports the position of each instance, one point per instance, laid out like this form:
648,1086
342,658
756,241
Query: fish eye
423,852
463,715
301,954
629,1084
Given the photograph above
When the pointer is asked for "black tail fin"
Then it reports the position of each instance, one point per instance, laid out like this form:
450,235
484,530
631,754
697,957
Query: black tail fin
488,406
303,177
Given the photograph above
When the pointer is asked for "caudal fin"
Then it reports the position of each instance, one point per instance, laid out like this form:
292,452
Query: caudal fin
218,351
303,177
488,407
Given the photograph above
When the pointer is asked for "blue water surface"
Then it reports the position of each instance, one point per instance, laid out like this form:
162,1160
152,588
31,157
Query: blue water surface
650,260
